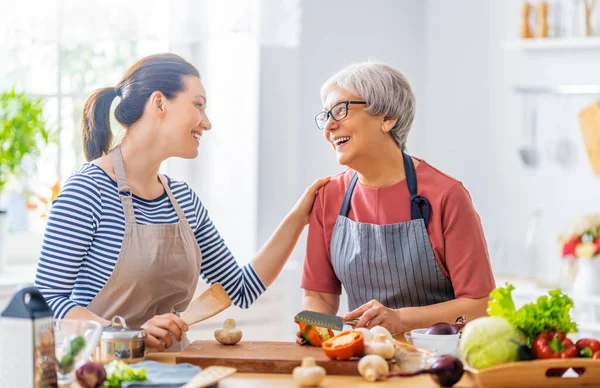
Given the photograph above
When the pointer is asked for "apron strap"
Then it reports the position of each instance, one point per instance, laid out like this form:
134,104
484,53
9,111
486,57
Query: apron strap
122,186
419,206
174,202
346,204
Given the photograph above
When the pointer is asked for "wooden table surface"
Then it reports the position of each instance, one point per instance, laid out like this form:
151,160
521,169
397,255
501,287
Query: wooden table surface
247,380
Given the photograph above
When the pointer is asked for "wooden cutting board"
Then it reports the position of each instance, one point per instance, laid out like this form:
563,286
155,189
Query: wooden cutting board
262,357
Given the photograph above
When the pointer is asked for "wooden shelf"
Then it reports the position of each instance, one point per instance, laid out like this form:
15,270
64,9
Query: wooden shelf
554,44
581,90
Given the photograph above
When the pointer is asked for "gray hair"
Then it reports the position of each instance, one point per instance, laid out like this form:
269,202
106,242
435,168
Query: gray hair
386,91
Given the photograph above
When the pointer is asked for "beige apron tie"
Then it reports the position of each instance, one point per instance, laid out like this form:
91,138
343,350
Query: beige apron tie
158,266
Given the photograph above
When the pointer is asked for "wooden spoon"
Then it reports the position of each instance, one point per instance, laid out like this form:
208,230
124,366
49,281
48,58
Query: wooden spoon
209,303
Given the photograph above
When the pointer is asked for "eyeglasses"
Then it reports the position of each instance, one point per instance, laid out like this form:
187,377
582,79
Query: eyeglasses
338,112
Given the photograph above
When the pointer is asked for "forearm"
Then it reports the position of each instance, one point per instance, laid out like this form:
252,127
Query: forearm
421,317
318,304
269,261
81,313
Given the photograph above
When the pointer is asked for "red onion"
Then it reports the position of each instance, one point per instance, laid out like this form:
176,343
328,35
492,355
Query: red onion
443,328
445,371
90,375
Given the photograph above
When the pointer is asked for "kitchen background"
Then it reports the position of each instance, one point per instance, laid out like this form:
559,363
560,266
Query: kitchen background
263,62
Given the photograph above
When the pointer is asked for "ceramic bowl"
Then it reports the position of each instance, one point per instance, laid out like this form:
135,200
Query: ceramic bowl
436,344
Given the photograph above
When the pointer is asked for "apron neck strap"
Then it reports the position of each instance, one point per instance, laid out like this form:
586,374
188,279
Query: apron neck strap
122,186
117,160
125,191
174,202
346,205
419,206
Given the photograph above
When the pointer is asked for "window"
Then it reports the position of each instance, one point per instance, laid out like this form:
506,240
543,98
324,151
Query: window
62,51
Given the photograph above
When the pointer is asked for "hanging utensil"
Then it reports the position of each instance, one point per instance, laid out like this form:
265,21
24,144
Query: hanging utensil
562,150
529,153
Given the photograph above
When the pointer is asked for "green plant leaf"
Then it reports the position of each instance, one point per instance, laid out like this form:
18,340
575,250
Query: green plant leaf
22,132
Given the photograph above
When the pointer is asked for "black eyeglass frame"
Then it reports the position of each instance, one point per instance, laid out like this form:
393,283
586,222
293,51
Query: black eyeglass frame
328,113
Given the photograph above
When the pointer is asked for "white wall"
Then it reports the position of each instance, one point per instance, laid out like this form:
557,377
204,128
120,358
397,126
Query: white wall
474,127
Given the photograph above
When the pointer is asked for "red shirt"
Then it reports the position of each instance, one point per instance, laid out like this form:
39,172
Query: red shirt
454,228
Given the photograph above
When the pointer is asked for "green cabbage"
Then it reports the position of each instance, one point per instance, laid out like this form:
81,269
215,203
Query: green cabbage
490,341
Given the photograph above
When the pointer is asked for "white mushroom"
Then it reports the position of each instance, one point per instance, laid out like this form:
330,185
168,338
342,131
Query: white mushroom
309,374
380,329
229,334
373,367
381,347
367,335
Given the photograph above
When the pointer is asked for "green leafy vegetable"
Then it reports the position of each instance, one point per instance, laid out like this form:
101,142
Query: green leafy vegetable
489,341
501,303
549,312
118,372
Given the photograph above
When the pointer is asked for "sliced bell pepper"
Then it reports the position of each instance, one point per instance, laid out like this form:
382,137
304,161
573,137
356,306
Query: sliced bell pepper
553,344
314,335
345,345
586,347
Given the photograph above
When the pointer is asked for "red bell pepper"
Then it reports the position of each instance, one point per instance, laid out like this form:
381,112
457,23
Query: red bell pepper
314,335
553,344
586,347
345,345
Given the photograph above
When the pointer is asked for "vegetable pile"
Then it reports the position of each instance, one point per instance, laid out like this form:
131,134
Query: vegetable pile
550,312
537,330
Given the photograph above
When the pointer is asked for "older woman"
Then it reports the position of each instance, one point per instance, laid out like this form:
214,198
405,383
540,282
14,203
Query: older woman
400,236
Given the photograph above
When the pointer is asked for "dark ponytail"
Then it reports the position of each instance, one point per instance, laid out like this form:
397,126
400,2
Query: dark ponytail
96,132
161,72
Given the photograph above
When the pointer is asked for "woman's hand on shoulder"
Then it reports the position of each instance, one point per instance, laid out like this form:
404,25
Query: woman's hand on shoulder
305,204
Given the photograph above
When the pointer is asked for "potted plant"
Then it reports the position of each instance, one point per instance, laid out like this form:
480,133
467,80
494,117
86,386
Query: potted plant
22,133
580,242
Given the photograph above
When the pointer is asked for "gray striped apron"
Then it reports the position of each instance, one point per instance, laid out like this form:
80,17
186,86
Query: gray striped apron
393,264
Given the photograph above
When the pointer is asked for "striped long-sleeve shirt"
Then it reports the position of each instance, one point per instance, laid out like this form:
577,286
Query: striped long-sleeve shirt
85,231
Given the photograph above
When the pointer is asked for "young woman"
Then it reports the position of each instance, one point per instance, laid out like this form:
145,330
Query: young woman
123,239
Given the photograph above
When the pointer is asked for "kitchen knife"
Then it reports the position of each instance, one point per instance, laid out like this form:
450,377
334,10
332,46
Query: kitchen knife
323,320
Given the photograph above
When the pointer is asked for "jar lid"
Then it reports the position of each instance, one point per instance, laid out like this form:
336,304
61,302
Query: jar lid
121,330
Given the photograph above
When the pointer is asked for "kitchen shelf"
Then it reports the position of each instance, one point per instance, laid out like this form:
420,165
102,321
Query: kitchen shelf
581,90
554,44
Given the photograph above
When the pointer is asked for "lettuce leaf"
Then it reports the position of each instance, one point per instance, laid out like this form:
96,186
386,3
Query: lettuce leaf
549,312
118,372
501,303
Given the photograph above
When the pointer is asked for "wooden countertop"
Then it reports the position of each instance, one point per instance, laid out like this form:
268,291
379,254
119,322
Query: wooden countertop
247,380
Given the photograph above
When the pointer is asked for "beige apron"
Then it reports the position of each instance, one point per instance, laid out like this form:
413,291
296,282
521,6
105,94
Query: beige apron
158,266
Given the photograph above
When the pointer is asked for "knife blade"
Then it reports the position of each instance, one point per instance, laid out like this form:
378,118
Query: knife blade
323,320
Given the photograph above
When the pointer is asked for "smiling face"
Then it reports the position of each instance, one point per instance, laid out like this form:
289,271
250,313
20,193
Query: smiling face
184,119
358,135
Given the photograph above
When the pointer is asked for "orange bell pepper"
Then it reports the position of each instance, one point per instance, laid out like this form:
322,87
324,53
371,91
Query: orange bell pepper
345,345
314,335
